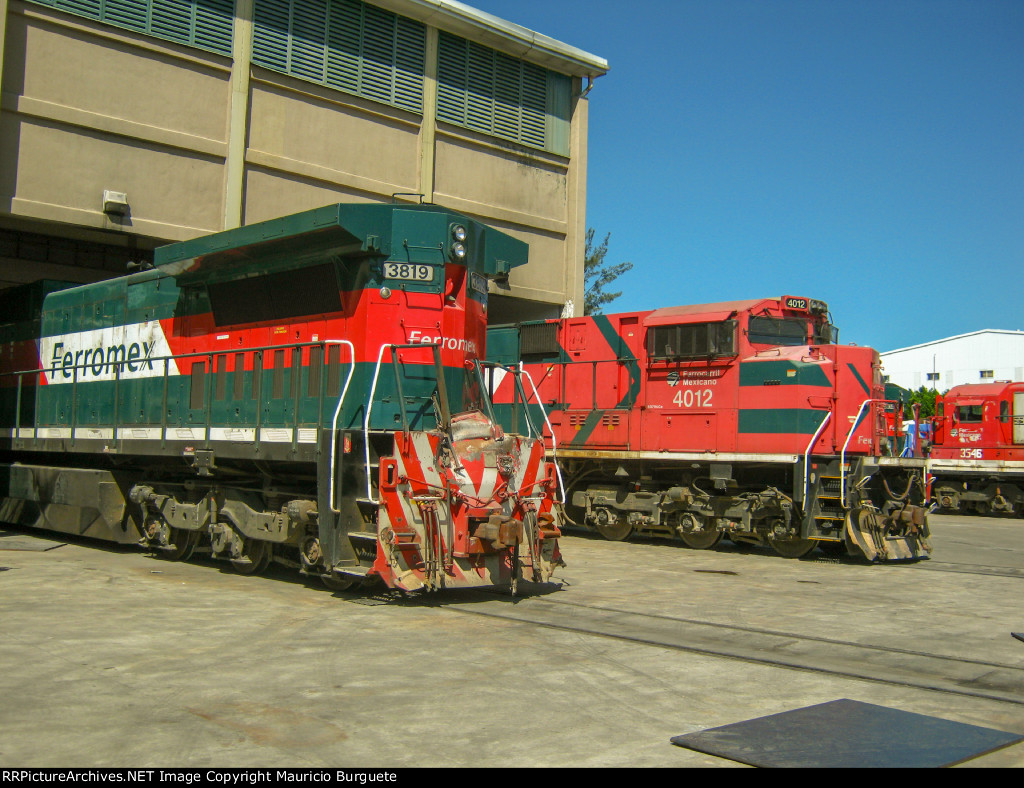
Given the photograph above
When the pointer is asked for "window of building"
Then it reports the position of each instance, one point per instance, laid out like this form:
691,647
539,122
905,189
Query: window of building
487,91
206,24
343,44
987,374
932,376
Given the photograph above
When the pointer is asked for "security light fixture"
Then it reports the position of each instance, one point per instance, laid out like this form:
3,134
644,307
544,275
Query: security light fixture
115,203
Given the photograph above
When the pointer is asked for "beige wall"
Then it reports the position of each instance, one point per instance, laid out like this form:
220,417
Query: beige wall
87,107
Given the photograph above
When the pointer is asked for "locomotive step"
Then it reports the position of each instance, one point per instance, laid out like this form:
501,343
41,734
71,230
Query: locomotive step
353,571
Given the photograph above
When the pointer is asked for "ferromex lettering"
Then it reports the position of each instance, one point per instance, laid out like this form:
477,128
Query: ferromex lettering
447,343
137,350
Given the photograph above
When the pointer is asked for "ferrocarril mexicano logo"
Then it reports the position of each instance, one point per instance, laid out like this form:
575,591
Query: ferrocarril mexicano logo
137,350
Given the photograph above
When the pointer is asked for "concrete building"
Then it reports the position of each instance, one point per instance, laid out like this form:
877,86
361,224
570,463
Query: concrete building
977,357
126,124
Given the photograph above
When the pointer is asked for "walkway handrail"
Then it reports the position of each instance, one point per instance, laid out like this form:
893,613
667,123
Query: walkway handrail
337,414
366,422
442,398
554,444
807,453
842,454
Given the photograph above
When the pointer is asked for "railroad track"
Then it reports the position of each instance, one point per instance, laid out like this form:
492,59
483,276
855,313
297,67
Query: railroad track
960,676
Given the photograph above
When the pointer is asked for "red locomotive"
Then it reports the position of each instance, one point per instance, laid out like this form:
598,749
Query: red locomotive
743,419
307,390
977,453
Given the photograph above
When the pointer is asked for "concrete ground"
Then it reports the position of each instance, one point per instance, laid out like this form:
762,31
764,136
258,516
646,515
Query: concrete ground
109,657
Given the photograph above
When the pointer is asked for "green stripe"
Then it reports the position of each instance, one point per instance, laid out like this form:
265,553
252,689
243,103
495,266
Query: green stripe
624,354
782,373
860,380
587,429
139,402
776,421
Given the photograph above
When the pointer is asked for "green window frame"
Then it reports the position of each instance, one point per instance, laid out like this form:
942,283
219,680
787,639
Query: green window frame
488,91
204,24
343,44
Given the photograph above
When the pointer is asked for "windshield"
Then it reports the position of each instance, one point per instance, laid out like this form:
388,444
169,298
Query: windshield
777,331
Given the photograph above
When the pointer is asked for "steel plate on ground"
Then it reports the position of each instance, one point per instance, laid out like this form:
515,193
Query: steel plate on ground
847,733
12,540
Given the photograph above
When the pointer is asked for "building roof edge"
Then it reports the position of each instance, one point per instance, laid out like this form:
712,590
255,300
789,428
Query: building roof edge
950,339
489,30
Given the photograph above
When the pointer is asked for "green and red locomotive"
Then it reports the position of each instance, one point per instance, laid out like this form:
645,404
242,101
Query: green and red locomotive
743,419
977,453
307,390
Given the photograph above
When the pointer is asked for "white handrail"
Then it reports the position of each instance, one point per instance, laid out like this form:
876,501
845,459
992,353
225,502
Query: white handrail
366,422
554,445
807,453
337,413
842,455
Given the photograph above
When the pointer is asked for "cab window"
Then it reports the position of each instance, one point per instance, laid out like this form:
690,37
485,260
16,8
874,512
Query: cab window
967,414
777,331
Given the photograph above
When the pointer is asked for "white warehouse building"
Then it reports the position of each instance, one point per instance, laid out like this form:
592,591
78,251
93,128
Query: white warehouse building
978,357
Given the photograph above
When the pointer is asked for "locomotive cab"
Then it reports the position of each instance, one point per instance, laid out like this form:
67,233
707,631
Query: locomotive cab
977,454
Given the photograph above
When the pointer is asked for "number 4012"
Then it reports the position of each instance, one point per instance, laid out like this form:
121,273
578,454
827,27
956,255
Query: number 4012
690,398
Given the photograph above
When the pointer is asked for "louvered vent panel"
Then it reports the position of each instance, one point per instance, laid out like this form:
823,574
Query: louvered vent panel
309,40
498,95
206,24
344,44
538,339
270,34
344,35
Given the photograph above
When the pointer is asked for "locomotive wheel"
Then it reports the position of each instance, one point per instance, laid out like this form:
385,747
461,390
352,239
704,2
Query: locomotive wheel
259,554
611,526
792,548
697,534
615,532
185,542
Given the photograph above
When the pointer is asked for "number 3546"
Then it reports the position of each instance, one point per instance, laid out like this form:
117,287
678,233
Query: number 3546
970,454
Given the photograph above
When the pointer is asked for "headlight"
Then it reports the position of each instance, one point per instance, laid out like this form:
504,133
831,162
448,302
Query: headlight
459,233
459,251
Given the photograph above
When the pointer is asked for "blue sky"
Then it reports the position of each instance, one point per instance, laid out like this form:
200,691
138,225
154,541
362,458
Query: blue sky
868,153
